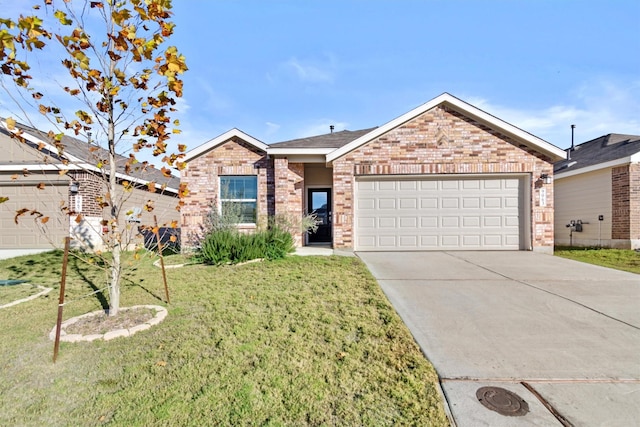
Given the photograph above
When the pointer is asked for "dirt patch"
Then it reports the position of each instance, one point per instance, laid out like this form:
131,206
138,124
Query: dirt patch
101,323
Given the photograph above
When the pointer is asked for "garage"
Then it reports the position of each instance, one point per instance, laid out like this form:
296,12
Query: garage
29,233
478,212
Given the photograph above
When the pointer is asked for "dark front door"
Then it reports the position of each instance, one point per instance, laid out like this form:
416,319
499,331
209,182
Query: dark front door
319,203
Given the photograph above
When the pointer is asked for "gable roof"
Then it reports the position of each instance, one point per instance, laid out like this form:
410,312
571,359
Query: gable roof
464,108
605,151
83,155
221,139
331,140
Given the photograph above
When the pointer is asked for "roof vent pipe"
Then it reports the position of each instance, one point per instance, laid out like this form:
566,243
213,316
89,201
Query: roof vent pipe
331,128
572,146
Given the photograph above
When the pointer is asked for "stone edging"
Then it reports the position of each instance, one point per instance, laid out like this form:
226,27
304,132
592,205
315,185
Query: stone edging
43,291
160,315
156,263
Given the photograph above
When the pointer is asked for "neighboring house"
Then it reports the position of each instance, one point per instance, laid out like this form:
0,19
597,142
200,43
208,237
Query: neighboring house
444,176
35,161
598,191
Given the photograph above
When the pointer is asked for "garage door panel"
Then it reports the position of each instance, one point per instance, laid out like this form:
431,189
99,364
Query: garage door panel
450,241
428,185
471,221
492,202
366,204
471,202
511,221
449,203
408,203
387,222
27,234
471,240
408,242
408,186
464,213
449,185
429,222
408,222
386,203
429,203
387,185
387,241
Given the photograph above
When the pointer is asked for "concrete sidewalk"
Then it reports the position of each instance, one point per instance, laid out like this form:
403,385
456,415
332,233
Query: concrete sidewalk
556,332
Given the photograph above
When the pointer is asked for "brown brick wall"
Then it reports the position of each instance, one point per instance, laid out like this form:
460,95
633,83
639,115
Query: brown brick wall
440,141
234,157
91,187
289,191
634,201
625,202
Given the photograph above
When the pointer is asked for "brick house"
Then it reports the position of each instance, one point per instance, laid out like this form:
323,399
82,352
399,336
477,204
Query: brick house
444,176
598,191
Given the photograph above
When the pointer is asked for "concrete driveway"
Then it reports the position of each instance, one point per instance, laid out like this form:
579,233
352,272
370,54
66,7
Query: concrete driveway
563,335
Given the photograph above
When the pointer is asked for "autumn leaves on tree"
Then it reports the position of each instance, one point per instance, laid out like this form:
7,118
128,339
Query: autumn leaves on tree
124,80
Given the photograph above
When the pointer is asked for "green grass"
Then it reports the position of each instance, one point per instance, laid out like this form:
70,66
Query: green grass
300,341
620,259
11,293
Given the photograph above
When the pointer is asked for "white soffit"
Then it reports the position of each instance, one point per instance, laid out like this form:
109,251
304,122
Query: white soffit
466,109
221,139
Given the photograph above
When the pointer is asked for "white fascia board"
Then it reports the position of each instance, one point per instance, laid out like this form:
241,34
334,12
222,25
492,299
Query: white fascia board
39,167
38,141
299,151
464,108
74,162
77,167
635,158
221,139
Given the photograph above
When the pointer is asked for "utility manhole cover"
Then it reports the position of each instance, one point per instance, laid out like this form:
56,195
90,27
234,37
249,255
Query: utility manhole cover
502,401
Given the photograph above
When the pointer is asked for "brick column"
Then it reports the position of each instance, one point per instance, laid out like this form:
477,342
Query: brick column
620,203
289,192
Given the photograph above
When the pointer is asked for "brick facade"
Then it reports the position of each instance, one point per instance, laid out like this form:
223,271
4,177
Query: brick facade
234,157
625,202
441,141
634,201
289,189
620,202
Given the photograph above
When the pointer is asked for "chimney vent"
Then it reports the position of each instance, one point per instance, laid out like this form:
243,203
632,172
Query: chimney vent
331,128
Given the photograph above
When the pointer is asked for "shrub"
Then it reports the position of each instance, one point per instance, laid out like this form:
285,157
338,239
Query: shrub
225,246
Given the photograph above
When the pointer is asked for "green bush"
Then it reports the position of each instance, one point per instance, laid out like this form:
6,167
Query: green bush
226,246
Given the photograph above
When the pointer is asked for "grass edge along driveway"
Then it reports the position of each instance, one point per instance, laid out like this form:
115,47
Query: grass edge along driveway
301,341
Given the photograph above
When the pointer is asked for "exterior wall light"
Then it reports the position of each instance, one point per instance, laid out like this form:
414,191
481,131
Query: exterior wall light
545,178
74,188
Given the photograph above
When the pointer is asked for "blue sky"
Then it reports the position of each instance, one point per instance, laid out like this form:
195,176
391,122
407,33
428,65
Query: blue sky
280,70
285,69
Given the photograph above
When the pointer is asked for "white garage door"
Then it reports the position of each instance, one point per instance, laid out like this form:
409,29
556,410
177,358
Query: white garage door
474,213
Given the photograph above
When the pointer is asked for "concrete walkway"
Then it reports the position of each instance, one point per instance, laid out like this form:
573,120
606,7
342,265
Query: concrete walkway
562,335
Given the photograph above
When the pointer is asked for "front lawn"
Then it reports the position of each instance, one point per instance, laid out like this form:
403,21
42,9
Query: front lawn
301,341
620,259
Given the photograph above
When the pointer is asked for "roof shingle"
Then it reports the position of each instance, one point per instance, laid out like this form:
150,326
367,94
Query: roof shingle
603,149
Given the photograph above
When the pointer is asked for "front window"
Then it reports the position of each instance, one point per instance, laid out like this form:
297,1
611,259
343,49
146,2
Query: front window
239,198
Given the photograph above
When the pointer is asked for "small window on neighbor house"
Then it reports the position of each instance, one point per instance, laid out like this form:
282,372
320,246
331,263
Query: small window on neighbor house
239,198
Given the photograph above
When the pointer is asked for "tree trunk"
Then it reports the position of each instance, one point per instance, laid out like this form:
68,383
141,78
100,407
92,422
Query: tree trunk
114,286
115,232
